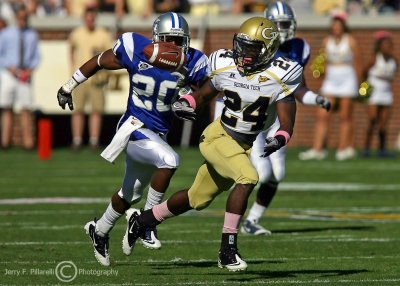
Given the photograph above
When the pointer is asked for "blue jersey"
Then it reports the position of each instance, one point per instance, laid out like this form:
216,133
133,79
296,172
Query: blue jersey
295,49
152,89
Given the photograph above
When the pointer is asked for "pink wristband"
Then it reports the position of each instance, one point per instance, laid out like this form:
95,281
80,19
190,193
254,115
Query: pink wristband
190,99
284,134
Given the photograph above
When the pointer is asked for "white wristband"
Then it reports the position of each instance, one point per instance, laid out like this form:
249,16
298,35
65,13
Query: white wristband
78,76
310,98
72,83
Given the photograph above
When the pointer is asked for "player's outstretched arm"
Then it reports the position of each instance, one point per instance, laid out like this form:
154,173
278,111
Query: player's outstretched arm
106,60
286,110
184,108
308,97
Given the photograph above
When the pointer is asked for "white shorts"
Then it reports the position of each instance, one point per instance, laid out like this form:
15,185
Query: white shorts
340,81
14,92
142,158
382,92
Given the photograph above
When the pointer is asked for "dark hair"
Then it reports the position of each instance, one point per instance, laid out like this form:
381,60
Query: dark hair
378,43
343,22
91,9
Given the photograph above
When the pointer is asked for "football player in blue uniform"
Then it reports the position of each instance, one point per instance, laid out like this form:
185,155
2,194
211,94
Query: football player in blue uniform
271,170
145,123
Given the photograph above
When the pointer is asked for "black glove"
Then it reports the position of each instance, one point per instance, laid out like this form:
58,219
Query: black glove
273,144
64,98
180,76
183,110
323,102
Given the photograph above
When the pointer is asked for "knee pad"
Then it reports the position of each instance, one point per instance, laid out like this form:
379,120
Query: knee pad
171,159
132,195
279,174
249,177
199,205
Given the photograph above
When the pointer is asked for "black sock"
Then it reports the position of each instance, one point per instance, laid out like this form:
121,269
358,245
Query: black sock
147,218
229,240
382,139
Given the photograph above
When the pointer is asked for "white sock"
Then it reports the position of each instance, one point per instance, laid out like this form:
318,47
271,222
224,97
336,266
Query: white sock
107,221
153,198
256,212
77,141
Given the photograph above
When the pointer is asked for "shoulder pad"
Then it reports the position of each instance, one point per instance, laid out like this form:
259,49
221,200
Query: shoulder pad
296,49
283,69
221,59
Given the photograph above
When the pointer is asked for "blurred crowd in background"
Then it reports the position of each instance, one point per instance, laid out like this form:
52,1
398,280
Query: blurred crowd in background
145,8
88,9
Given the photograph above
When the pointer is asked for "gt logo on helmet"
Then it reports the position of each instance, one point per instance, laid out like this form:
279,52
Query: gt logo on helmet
272,35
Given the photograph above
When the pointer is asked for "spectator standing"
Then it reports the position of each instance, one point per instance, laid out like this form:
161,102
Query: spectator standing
340,85
19,56
85,42
380,73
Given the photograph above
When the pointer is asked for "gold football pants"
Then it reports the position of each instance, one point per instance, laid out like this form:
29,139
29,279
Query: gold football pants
227,162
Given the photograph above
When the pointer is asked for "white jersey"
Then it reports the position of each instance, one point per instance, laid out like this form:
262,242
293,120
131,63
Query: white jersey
339,53
250,100
380,76
340,75
383,69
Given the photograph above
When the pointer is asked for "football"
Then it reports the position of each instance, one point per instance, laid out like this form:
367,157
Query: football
165,55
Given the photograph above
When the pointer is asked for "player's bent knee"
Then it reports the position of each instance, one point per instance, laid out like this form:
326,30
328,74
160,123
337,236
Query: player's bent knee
279,174
125,195
131,196
249,176
264,177
171,160
199,203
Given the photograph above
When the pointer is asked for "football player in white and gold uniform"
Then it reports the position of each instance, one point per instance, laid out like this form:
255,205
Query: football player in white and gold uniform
257,89
271,170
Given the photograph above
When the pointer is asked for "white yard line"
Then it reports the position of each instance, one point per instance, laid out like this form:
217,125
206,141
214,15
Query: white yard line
203,260
292,186
336,186
211,241
260,282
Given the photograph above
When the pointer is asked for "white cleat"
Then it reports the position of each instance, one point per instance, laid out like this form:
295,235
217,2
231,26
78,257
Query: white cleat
253,228
149,239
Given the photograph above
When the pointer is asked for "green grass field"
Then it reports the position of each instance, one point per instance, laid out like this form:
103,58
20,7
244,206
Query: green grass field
333,223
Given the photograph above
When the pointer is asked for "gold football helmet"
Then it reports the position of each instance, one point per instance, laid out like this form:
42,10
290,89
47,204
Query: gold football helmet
255,45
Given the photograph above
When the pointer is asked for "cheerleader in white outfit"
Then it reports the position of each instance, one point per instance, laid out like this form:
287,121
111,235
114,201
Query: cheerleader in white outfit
380,73
341,87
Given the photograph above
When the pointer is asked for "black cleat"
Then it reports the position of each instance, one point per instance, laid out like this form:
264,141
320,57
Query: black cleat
100,244
230,259
149,238
133,231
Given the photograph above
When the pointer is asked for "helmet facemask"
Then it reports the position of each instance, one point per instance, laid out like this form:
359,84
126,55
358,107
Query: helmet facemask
284,18
286,28
166,29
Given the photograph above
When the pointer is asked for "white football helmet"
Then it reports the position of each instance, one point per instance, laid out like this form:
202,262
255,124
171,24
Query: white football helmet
172,27
284,18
